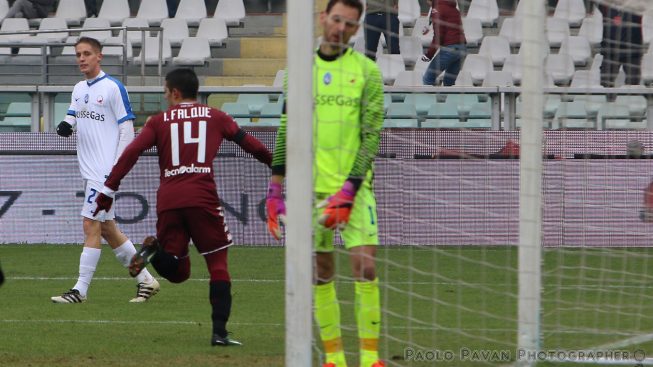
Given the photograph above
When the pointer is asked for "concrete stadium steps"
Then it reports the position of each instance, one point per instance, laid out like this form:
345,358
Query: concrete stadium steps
252,67
217,100
236,80
263,47
259,25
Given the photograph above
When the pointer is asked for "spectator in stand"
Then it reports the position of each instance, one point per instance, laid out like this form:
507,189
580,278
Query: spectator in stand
29,9
621,45
449,39
381,16
91,8
172,7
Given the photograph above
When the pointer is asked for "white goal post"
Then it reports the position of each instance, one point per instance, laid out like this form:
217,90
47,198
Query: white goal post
299,187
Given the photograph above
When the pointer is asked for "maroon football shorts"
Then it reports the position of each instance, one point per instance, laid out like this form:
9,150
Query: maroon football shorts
206,227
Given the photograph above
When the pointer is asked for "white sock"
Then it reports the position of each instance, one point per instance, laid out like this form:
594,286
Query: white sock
87,263
124,253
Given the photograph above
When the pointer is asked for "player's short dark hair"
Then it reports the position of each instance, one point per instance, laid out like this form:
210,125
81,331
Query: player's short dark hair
351,3
185,81
91,41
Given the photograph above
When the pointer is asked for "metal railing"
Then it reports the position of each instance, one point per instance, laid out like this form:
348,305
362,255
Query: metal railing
503,100
46,56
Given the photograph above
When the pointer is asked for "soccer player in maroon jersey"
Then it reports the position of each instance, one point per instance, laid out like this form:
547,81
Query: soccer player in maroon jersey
187,137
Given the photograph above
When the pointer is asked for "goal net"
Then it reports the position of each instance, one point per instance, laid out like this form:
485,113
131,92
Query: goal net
509,202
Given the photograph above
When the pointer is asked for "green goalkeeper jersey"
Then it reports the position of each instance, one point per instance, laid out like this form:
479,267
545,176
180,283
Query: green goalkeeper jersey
347,121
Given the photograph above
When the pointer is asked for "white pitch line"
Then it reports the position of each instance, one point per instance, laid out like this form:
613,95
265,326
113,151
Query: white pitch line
346,281
163,322
129,278
233,280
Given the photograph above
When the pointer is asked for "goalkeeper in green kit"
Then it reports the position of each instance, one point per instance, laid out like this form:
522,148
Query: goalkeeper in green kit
348,117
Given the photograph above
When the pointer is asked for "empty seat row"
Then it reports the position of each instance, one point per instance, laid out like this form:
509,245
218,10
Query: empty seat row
212,29
153,11
571,11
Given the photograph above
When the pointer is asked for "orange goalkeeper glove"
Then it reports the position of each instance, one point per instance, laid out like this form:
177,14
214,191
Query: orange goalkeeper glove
338,207
276,209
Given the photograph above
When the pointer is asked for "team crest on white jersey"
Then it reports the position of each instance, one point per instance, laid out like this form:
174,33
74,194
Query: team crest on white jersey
86,98
327,78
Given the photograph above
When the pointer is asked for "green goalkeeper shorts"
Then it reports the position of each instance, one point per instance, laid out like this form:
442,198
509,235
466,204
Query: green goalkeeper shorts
362,229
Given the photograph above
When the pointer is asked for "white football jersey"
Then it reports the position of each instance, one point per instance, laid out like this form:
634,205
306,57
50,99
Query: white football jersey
99,106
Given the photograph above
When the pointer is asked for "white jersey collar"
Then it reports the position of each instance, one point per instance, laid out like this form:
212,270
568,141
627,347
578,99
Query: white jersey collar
99,77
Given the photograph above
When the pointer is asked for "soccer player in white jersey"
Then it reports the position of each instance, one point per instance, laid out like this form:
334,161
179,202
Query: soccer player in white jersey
101,114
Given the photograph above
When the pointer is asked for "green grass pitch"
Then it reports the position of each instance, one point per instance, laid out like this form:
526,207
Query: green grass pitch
434,299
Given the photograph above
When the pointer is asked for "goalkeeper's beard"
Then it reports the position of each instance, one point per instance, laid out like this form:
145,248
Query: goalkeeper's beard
336,44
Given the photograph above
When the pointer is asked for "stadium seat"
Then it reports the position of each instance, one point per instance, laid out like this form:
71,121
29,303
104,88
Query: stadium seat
420,23
513,65
464,79
69,50
116,11
409,11
96,23
18,113
473,31
511,29
4,8
617,116
34,50
592,28
401,115
278,78
487,11
113,46
636,105
254,101
447,113
557,30
232,11
238,111
13,25
647,69
53,24
154,11
270,115
498,79
194,51
496,48
175,30
191,11
42,38
214,30
647,27
578,47
382,36
151,51
410,48
572,115
590,77
571,11
390,66
421,101
560,67
135,37
409,78
73,11
551,104
477,66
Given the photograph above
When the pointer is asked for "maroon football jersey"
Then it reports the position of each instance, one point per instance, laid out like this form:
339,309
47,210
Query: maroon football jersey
187,137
